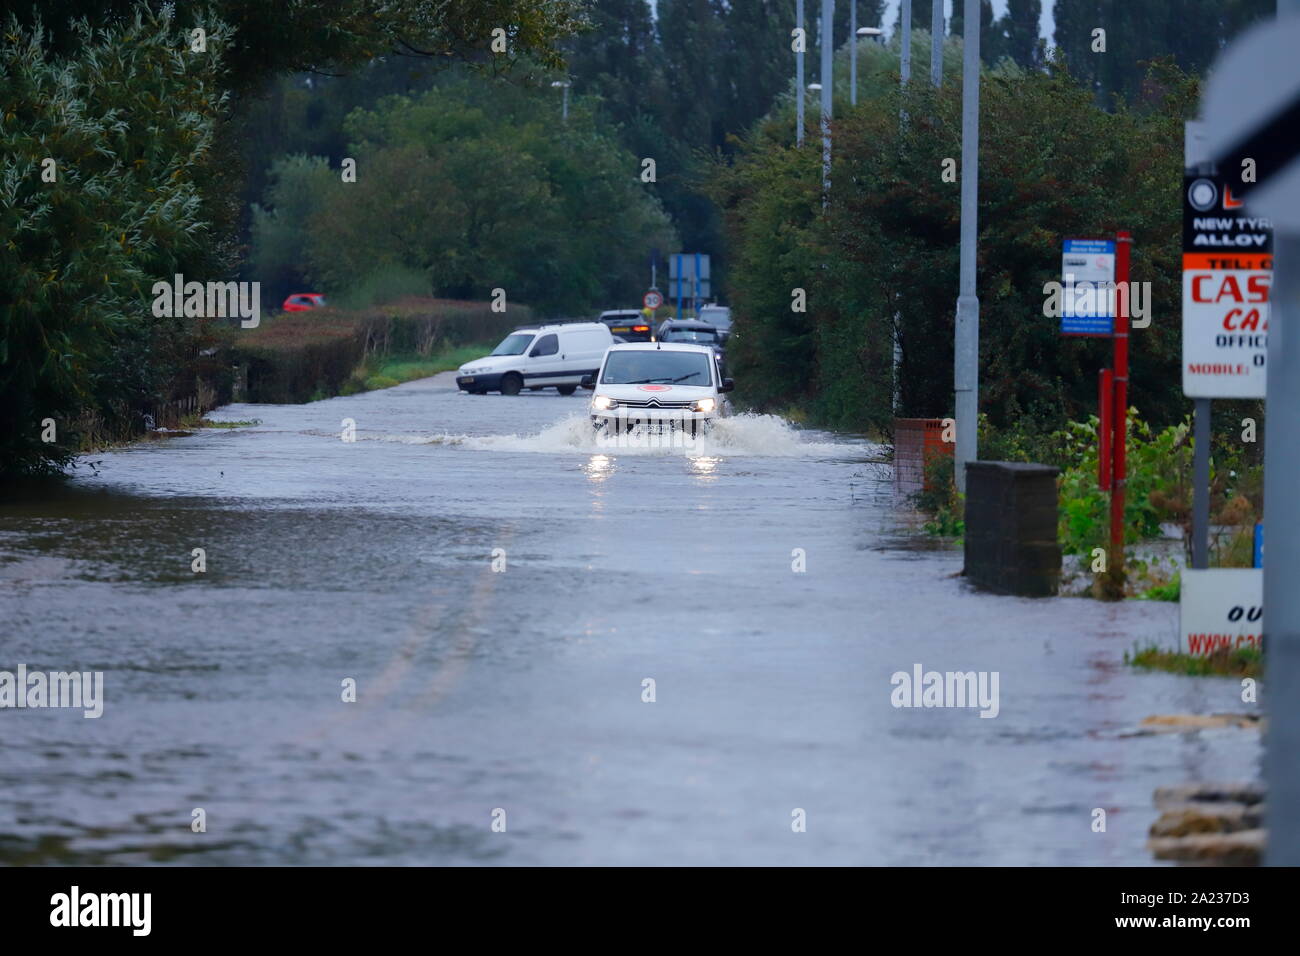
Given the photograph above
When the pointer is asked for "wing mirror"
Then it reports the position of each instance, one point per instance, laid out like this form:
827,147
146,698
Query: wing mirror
588,381
727,385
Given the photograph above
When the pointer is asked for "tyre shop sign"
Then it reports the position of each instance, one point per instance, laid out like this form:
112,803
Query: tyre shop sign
1227,272
1221,608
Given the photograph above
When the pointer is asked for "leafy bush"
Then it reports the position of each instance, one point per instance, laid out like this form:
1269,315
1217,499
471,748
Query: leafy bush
297,355
138,196
882,257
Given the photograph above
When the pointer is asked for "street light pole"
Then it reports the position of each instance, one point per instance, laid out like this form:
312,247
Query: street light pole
936,43
905,59
798,72
828,89
853,52
966,340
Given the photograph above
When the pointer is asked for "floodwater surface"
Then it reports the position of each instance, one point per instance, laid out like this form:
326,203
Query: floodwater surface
503,589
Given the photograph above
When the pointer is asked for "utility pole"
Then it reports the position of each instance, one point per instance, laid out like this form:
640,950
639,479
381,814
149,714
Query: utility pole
828,89
966,340
853,52
905,59
798,72
936,43
904,74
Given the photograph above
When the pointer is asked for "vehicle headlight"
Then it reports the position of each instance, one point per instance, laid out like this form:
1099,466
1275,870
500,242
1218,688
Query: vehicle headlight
706,404
603,402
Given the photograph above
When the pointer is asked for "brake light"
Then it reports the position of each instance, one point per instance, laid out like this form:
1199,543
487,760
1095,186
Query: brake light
640,328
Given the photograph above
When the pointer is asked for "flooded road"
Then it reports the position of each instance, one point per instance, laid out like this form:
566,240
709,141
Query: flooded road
521,689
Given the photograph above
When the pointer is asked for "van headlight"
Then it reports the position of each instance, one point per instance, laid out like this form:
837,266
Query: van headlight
603,403
706,404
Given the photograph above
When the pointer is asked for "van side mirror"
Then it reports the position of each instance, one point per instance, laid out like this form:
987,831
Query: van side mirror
727,385
588,381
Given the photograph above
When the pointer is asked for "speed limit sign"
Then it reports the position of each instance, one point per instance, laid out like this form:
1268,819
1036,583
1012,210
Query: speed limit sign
653,299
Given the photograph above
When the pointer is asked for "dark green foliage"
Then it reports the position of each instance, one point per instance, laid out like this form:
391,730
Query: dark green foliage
1191,31
130,123
477,186
1051,166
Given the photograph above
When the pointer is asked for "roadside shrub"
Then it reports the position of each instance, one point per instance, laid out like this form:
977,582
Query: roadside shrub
297,355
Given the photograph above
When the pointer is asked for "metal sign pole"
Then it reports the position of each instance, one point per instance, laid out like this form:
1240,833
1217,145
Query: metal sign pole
1119,412
1201,486
966,345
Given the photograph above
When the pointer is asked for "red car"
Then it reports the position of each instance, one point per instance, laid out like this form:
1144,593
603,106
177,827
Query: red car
303,301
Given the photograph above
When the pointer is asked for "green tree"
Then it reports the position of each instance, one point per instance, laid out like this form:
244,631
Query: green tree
129,125
476,186
887,246
1019,26
280,234
1192,32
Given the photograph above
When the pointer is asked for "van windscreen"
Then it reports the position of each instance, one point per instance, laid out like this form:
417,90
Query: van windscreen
514,344
645,367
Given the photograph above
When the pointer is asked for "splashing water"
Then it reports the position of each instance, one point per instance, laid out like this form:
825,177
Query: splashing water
739,435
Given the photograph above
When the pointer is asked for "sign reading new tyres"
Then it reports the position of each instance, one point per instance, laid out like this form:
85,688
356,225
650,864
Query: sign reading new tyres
1227,271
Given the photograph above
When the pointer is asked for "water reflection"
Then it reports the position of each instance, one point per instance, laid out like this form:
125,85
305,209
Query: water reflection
598,468
705,467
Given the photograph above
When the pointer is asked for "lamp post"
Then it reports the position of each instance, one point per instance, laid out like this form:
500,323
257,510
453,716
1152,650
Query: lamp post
865,33
564,110
828,88
798,72
966,344
905,58
936,43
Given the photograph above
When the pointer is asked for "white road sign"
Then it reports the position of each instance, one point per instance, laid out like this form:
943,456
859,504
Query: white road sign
1221,608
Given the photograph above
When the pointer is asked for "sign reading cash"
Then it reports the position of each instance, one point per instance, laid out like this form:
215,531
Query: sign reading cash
1227,272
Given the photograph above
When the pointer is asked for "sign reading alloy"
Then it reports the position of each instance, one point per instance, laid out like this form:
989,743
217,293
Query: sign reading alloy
1227,273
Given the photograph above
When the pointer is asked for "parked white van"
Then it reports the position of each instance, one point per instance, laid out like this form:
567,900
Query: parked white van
544,356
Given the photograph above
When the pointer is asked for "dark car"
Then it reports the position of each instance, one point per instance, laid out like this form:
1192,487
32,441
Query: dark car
692,332
695,332
628,324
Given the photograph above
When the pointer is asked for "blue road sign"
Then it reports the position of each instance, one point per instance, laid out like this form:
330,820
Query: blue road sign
1087,287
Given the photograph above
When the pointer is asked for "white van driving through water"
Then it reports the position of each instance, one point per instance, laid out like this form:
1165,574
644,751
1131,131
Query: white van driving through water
545,356
658,387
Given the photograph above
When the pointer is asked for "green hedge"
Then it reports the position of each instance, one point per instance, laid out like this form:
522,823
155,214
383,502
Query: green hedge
298,356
